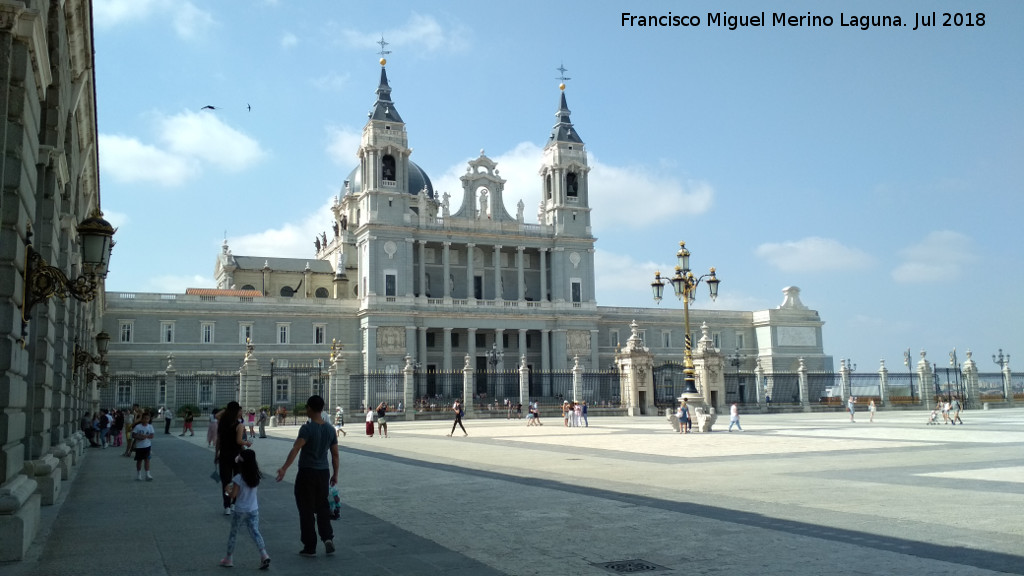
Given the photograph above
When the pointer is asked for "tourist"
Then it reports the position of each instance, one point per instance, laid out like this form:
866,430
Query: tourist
734,417
168,416
583,412
339,420
684,417
945,413
143,434
565,413
370,416
242,489
86,426
871,410
262,420
382,419
187,426
459,413
955,417
252,423
314,478
851,406
230,442
211,429
577,414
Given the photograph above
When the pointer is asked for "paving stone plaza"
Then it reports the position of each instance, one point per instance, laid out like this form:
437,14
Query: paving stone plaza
807,493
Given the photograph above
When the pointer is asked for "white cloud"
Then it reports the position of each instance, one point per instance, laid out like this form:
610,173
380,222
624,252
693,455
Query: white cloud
204,136
187,19
941,254
291,240
813,254
288,40
423,33
191,141
342,145
653,198
331,81
127,160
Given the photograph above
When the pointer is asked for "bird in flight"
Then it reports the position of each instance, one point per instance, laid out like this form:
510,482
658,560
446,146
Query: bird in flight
208,108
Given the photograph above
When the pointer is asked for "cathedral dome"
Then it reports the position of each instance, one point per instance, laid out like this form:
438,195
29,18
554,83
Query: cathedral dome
417,180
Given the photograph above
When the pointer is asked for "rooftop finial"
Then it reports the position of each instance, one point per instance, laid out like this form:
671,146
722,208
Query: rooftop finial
383,52
561,76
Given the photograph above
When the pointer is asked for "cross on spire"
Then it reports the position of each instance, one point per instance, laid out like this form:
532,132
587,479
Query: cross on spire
562,70
382,43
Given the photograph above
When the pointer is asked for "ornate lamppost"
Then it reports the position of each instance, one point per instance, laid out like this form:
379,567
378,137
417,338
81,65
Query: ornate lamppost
1002,361
685,285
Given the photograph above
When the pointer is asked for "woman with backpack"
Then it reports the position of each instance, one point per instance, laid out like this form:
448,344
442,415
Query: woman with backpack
459,413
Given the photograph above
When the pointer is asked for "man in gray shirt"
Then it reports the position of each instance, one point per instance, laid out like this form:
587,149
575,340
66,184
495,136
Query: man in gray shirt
314,478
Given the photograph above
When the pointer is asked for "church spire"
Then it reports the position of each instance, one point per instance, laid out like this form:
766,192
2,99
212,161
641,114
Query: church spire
384,108
563,130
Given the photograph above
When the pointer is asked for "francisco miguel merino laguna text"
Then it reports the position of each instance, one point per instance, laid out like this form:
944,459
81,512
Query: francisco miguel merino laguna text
781,19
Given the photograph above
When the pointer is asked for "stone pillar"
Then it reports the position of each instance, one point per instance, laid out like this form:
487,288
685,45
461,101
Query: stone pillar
883,384
520,274
446,260
251,382
499,343
595,352
559,349
447,361
845,387
410,342
467,386
171,386
497,272
970,375
801,372
759,385
408,272
545,362
524,381
709,373
924,373
558,274
369,352
636,369
409,395
577,380
543,275
341,388
423,269
421,347
522,342
470,294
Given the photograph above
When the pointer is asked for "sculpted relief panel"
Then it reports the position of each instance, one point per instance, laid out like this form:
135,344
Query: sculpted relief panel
391,340
579,342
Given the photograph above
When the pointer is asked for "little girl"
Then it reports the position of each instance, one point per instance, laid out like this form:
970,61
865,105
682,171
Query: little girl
243,489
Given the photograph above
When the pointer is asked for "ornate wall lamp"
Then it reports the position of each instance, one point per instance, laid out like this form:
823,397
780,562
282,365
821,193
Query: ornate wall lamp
43,281
83,358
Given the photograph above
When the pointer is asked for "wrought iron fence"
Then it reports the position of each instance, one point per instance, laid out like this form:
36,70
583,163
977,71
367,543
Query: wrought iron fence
437,391
123,390
380,387
601,388
991,386
824,387
741,388
669,383
901,385
782,388
867,385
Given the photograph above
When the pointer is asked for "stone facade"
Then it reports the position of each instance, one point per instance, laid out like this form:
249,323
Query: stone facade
50,183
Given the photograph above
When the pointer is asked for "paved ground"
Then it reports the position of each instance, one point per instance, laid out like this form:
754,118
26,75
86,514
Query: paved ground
792,494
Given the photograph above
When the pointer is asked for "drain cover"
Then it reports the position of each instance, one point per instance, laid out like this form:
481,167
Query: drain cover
629,566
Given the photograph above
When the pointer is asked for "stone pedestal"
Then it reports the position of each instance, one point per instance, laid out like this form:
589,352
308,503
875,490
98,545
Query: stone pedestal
19,517
702,416
46,472
65,460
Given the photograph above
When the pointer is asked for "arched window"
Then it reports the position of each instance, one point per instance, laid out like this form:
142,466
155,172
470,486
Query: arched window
388,168
547,185
287,292
322,292
248,287
571,185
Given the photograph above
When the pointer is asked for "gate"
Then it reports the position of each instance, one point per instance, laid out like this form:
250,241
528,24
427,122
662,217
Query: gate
669,383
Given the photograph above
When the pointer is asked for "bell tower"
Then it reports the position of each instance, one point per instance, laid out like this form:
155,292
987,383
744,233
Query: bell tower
565,199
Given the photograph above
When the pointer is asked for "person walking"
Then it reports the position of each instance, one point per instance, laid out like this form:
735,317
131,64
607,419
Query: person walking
459,413
242,489
262,420
955,416
187,426
851,404
211,429
370,416
583,412
871,410
382,419
339,420
230,442
734,417
168,416
314,477
143,434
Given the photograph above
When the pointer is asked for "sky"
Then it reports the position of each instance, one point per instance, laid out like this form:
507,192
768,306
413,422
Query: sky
879,170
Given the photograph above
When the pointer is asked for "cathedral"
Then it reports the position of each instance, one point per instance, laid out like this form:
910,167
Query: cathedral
404,278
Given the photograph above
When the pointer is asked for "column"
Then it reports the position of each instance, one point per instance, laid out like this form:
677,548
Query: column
499,343
447,361
1007,383
409,391
446,259
577,380
845,390
497,272
410,342
883,384
522,342
543,275
559,350
423,268
595,355
802,379
520,274
924,373
470,295
369,352
421,348
558,274
471,343
467,386
524,381
409,273
759,385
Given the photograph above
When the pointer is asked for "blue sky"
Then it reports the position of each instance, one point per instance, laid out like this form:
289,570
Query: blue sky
880,170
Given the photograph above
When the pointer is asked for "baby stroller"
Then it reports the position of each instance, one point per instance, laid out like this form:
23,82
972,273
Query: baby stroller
934,418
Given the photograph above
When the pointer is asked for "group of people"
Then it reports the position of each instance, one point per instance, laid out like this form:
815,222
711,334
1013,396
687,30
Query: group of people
574,414
315,449
378,416
103,428
950,411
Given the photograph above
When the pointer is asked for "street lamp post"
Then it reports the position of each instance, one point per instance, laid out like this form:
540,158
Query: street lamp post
1004,363
735,360
494,359
955,365
685,285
